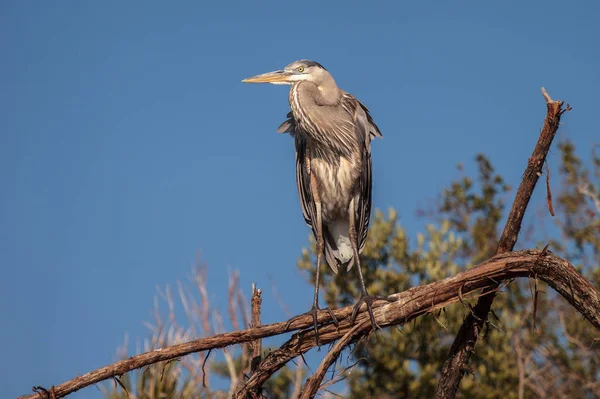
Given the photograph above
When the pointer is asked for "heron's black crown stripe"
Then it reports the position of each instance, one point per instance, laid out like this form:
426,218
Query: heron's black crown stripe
314,63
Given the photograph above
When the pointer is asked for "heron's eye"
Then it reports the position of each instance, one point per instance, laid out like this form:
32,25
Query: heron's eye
300,69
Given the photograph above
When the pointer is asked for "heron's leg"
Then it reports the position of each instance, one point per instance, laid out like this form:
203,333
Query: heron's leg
320,247
318,226
364,297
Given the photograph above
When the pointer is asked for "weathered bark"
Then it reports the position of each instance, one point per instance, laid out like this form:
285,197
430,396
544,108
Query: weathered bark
255,346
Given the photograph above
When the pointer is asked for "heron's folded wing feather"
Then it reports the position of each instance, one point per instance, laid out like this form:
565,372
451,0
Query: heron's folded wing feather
288,126
373,128
366,129
303,182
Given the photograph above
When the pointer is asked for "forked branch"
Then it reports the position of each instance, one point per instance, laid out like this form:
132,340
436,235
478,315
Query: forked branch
460,352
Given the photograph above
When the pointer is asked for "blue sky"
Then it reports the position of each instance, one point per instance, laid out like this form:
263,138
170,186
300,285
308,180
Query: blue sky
128,143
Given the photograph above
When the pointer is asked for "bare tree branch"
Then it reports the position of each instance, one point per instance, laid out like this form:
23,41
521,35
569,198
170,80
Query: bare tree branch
256,345
231,302
557,272
233,375
460,352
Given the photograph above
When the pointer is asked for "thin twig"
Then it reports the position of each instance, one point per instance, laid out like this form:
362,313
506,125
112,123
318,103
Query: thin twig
297,381
233,288
203,370
588,193
569,337
233,375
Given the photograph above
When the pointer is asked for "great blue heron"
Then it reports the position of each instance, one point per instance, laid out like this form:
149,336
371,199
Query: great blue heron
332,132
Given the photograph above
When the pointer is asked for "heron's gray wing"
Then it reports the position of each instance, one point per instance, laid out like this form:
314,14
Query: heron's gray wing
363,211
373,128
302,169
307,202
366,129
288,126
303,182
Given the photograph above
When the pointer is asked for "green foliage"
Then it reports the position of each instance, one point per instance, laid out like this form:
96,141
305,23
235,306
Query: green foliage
475,213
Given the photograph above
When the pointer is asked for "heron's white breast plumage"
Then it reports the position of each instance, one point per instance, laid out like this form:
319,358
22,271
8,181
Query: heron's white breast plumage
336,186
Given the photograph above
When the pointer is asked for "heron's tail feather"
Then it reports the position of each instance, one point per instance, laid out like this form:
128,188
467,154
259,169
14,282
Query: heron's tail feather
338,250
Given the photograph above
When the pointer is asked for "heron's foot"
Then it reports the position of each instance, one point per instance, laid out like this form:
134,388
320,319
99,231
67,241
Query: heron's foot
314,311
368,300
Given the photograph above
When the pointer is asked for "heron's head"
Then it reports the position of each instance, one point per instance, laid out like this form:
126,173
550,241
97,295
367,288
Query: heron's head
296,71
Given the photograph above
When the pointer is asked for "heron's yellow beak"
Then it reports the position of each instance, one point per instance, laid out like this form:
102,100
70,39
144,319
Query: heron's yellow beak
275,77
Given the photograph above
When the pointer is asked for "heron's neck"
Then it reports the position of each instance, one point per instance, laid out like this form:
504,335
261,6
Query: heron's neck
330,93
327,93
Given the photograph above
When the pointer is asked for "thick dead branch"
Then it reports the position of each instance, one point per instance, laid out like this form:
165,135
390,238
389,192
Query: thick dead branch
557,272
460,352
255,347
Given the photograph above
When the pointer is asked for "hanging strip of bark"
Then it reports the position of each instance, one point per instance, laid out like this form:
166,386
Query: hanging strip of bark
461,350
